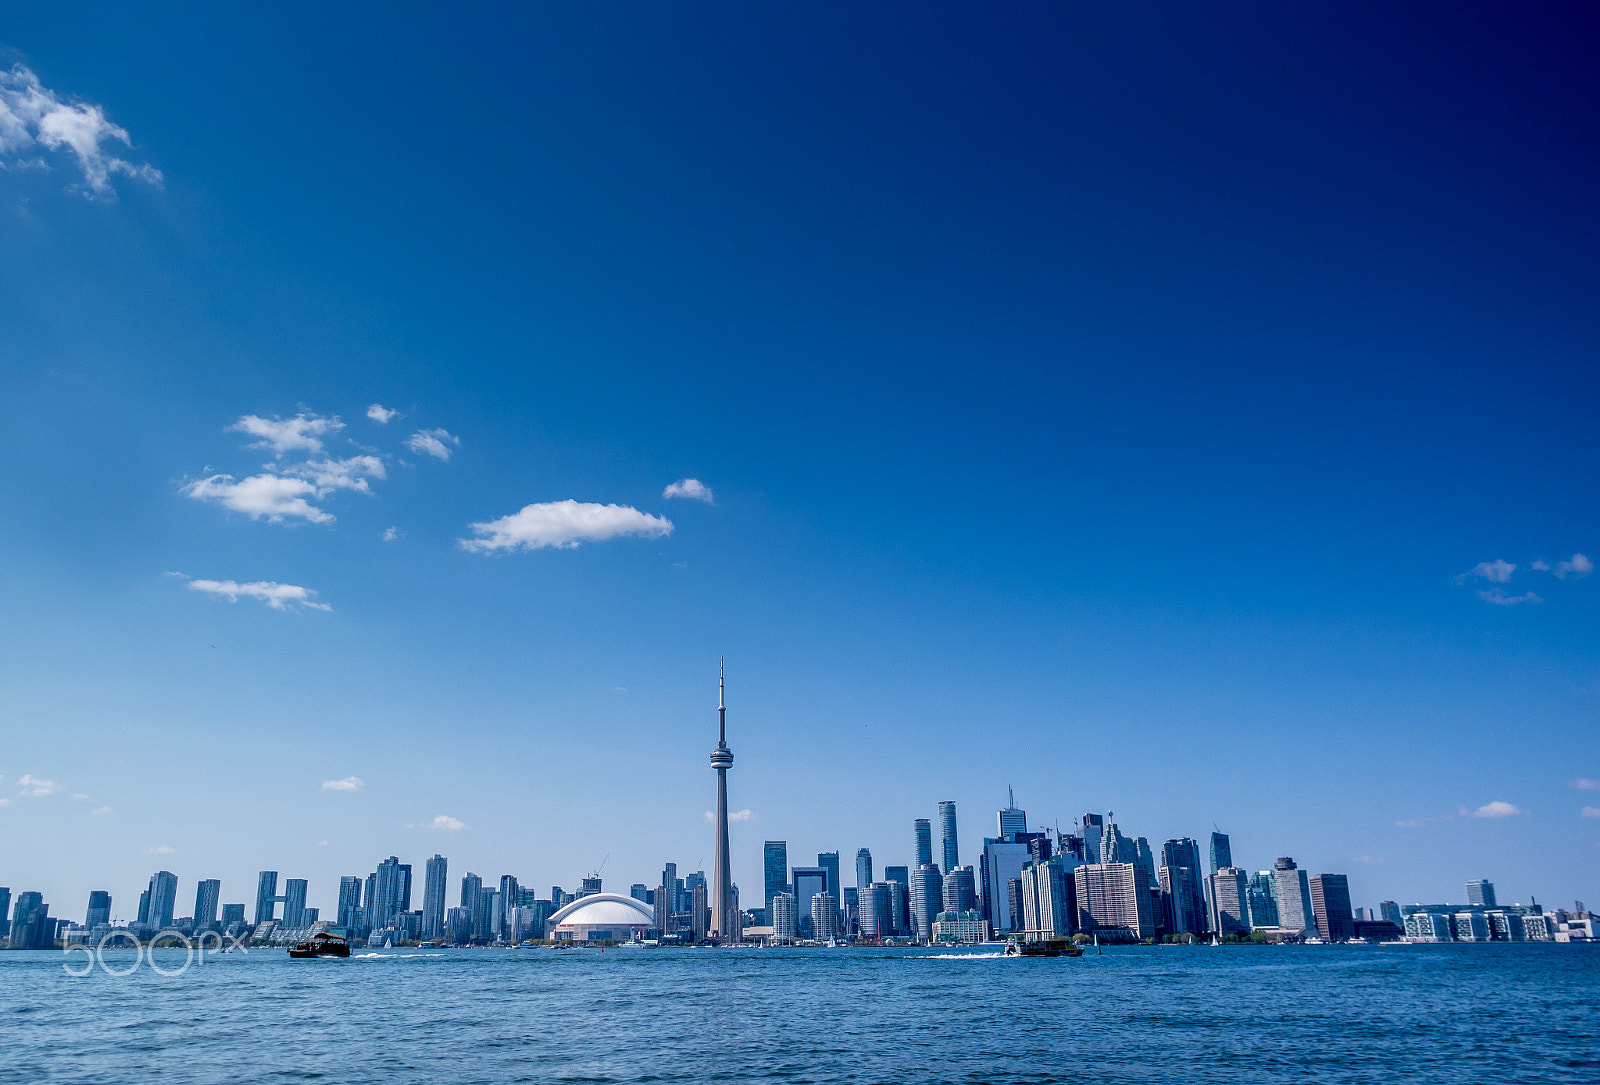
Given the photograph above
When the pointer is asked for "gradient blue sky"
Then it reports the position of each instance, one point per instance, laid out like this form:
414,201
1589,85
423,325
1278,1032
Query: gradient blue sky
1108,401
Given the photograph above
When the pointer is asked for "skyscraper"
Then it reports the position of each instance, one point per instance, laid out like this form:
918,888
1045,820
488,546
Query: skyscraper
959,891
388,894
863,868
1330,905
1185,852
350,904
99,908
294,902
5,911
471,892
922,830
829,861
785,918
163,897
899,879
31,925
1178,900
1481,891
266,895
774,871
876,922
1093,827
808,881
1221,852
510,897
724,922
1230,898
1263,895
824,917
1002,862
207,896
1010,821
1109,897
927,896
950,855
1294,896
433,893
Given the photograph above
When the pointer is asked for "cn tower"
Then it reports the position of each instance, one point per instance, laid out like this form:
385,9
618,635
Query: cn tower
723,923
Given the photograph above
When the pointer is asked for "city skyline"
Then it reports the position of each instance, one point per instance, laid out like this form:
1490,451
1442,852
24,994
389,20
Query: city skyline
1165,414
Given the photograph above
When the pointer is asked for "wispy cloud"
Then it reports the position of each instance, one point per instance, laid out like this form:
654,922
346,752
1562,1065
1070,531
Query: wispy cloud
33,116
4,803
1590,812
381,414
349,783
302,433
79,796
1501,599
277,596
433,442
161,849
563,525
733,815
1496,571
1577,566
102,812
1417,823
1494,809
330,474
448,823
390,534
34,788
1586,785
691,488
271,496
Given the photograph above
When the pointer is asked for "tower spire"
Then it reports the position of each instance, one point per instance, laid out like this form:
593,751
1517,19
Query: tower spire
722,708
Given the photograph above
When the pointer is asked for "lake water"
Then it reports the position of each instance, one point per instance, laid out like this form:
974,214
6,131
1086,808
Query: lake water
1521,1013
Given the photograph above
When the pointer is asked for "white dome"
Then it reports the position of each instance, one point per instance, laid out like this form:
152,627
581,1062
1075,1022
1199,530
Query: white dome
604,910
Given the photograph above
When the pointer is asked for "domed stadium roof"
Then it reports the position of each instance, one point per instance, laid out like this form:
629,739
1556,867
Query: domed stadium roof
604,910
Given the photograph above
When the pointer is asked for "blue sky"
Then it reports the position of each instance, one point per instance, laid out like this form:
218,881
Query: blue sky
1128,405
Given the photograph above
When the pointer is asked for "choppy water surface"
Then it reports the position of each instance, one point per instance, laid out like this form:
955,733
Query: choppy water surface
1151,1014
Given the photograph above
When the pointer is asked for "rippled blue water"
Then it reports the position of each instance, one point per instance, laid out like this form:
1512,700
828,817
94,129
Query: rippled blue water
1146,1014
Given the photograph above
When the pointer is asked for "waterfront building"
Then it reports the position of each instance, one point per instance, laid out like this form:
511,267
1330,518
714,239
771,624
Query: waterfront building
1110,898
1000,864
99,911
927,895
1294,897
899,879
434,882
1537,928
965,928
471,890
863,868
724,914
1178,900
163,898
850,910
349,912
31,925
700,907
1010,821
1470,926
950,854
1263,900
144,907
959,891
207,896
663,911
876,922
5,911
391,893
510,896
266,895
1230,900
232,916
1507,926
669,878
1185,852
785,920
602,917
1014,900
1145,860
1428,927
1390,911
1221,852
294,903
1048,898
1480,891
922,830
824,917
1330,907
774,871
809,881
829,861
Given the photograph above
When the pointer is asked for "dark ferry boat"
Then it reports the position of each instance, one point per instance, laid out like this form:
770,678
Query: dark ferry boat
322,944
1054,947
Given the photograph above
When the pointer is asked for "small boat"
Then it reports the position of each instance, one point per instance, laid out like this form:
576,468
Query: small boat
322,944
1055,947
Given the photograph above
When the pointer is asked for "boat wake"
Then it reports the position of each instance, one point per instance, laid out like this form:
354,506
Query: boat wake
959,957
390,956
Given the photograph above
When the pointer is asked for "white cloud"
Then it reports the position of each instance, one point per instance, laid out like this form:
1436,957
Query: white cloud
1578,566
349,783
32,115
276,596
271,496
563,525
391,533
1495,809
381,414
102,812
80,797
35,788
449,824
160,849
1589,812
329,475
740,815
431,442
1586,785
1496,571
691,488
5,802
302,433
1501,599
1541,566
